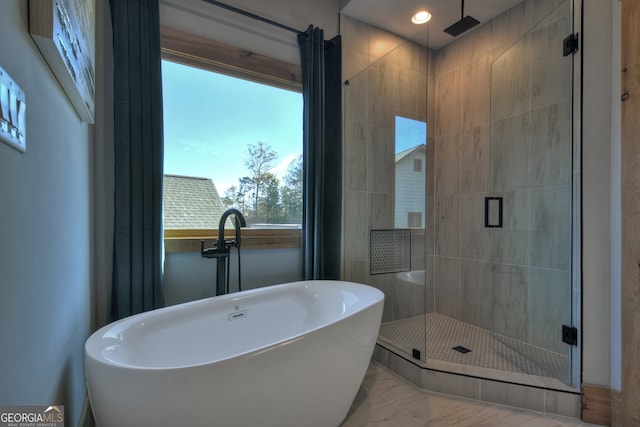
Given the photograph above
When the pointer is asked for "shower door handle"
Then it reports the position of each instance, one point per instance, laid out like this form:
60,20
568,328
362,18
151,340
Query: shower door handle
490,204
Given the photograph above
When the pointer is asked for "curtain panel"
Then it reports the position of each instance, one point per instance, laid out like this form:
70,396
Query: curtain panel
321,63
138,234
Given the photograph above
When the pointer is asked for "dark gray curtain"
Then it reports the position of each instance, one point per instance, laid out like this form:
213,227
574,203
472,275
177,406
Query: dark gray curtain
322,152
138,235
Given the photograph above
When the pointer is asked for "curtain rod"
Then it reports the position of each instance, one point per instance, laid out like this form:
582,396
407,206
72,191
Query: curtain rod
252,15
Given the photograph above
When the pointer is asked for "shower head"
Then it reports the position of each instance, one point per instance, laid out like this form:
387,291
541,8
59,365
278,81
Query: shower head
464,24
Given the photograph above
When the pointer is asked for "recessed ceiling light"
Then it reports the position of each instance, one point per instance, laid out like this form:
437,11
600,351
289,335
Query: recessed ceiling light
421,17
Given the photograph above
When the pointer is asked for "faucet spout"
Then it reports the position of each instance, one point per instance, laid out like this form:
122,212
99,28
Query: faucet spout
239,222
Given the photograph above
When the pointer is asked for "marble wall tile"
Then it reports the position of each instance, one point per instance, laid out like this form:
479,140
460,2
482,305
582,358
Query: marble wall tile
449,58
357,98
405,92
510,305
431,97
510,153
576,241
476,92
551,145
548,10
549,308
430,238
447,226
565,404
475,160
356,222
384,282
380,155
380,210
551,75
430,303
382,43
404,304
422,97
513,395
475,239
448,103
357,271
551,227
480,44
418,245
476,281
510,244
447,165
430,164
356,140
406,55
380,100
447,287
511,26
426,58
355,40
456,385
511,81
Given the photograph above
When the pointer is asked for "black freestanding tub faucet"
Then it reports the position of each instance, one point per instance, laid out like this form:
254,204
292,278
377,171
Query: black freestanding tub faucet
222,249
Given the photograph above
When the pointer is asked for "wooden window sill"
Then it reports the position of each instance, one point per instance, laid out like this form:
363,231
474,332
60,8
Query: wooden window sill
252,238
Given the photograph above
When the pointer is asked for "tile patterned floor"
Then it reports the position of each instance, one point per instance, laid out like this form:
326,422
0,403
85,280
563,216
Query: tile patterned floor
442,333
386,400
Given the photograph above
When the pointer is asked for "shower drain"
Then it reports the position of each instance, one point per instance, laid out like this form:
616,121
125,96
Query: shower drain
461,349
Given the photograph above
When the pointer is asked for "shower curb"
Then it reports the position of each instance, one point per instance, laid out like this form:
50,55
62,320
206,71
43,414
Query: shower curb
555,402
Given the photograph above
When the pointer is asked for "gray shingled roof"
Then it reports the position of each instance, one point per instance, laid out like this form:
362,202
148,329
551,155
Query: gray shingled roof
191,203
401,155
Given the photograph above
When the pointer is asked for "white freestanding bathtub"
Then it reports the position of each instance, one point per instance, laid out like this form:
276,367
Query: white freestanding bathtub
286,355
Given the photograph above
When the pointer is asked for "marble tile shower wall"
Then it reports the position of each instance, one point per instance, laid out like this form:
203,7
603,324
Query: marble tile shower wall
503,128
385,76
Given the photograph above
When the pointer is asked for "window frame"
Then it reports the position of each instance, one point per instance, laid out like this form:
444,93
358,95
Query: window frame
196,51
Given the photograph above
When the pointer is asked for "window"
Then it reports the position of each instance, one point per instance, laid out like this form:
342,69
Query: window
414,219
410,174
232,139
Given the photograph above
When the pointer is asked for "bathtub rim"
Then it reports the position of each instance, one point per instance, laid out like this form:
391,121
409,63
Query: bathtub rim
95,345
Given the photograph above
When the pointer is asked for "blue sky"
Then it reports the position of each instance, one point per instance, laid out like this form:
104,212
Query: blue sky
409,133
209,120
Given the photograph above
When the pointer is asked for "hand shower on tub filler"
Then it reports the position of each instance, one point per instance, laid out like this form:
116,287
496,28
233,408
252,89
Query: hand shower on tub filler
222,249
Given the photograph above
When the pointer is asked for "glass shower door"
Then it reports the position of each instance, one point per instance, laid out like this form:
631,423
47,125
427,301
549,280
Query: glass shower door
531,204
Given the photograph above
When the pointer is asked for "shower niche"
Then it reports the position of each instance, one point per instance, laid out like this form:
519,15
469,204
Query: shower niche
487,291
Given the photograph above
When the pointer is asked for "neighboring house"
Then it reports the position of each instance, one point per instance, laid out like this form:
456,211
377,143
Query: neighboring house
191,203
410,187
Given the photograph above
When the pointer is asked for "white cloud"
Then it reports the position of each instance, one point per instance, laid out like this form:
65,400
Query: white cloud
280,170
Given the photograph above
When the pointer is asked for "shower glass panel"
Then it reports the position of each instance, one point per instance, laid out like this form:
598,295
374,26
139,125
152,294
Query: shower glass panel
504,200
385,181
531,169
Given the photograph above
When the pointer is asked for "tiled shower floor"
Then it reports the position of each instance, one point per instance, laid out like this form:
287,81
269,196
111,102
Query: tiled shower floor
490,355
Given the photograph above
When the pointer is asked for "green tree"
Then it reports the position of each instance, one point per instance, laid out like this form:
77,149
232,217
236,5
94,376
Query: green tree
271,210
259,162
291,192
230,198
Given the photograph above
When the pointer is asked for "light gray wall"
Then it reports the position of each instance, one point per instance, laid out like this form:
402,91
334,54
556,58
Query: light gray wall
45,248
103,170
188,276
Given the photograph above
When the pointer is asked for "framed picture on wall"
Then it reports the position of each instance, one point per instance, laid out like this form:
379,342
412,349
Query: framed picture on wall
64,31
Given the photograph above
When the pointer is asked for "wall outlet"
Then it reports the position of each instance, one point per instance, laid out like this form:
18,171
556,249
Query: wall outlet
13,113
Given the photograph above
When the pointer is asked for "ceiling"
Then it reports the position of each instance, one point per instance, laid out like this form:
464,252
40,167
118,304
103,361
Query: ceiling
395,16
